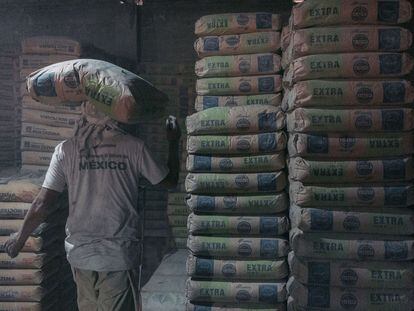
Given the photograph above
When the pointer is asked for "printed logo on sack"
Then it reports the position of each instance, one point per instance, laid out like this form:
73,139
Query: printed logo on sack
233,40
268,225
44,85
361,67
243,124
396,196
319,273
210,102
268,294
394,169
226,164
265,63
267,142
243,295
205,203
71,80
244,227
364,95
359,13
263,21
348,301
363,121
204,267
319,297
388,11
389,39
211,44
347,142
243,145
267,121
266,85
244,250
321,220
269,248
360,41
266,182
365,194
351,223
242,181
244,66
365,251
317,144
242,19
230,202
396,250
364,168
390,64
393,120
394,92
349,277
202,163
245,87
229,270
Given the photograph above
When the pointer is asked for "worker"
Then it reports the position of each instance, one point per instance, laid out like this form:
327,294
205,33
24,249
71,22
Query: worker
101,166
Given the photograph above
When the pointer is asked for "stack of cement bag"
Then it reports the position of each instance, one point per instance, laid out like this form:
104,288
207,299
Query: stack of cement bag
44,126
236,182
178,212
350,146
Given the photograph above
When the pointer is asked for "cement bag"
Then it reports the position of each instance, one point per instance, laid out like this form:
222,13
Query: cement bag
177,198
320,220
237,225
259,163
38,144
180,243
9,226
357,274
237,145
350,146
239,205
236,120
35,61
237,23
344,299
327,12
350,120
351,65
238,65
25,260
308,171
46,131
120,94
249,43
235,183
351,246
179,232
177,220
263,293
234,307
206,102
49,118
21,306
29,103
285,38
401,195
13,210
236,269
36,170
28,293
177,210
36,158
27,276
22,190
317,93
260,248
50,45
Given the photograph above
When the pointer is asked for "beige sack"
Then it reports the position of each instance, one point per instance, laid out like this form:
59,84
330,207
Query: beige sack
263,293
36,158
237,23
249,43
22,190
177,210
326,172
231,307
238,65
13,210
21,306
352,273
25,260
239,205
46,131
49,118
260,248
350,146
29,293
50,45
236,120
38,144
285,38
237,145
350,120
27,276
73,108
206,102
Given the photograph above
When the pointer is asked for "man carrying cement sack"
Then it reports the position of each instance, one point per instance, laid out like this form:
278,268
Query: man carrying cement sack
101,165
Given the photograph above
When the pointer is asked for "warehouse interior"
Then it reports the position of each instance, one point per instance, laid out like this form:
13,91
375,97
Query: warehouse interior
295,186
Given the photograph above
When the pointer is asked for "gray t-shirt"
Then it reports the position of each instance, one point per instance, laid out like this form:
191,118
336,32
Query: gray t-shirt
103,224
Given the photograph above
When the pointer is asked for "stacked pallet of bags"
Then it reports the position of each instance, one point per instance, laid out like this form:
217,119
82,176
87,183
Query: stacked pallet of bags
236,145
44,126
350,145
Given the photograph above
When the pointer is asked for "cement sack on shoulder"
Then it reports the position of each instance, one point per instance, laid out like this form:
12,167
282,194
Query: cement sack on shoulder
232,292
344,299
237,23
177,198
236,269
179,232
350,120
350,146
351,246
237,145
239,205
238,65
177,210
259,163
49,118
177,220
38,144
375,195
352,273
350,65
235,183
327,12
248,85
21,190
260,248
74,108
120,94
234,307
236,120
46,131
237,225
50,45
36,158
320,220
249,43
206,102
14,210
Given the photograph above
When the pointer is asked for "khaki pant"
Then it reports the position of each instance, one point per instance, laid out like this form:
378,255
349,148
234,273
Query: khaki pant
107,291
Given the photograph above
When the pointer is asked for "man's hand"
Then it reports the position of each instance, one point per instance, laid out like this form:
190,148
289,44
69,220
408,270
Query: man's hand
173,129
13,246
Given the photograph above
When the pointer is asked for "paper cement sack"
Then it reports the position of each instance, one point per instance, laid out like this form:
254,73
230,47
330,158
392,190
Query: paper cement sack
50,45
237,23
36,130
349,65
263,293
179,232
239,205
260,248
236,145
236,120
231,307
400,195
344,299
21,306
74,108
14,210
249,43
38,144
9,226
346,93
235,183
49,118
351,246
247,85
206,102
27,276
357,274
22,190
350,120
120,94
388,170
238,65
237,269
177,198
259,163
237,225
177,220
177,210
351,145
25,260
